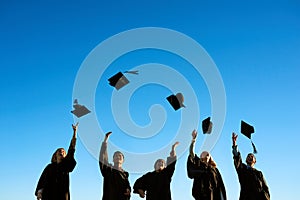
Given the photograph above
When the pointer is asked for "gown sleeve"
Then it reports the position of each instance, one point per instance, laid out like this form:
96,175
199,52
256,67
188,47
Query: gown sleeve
103,159
43,180
141,184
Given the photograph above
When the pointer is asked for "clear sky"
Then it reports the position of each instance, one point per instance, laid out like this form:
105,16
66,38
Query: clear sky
44,45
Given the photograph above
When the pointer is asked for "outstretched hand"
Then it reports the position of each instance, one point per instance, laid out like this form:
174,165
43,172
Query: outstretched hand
75,127
141,193
175,145
173,152
234,138
73,141
107,136
194,134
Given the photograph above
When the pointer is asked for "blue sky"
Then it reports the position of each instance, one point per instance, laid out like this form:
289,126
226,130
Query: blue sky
255,46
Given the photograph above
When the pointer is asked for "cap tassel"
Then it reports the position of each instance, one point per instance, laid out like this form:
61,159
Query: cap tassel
136,72
254,148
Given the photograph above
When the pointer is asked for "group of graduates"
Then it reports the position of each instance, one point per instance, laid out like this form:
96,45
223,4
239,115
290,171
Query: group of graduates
155,185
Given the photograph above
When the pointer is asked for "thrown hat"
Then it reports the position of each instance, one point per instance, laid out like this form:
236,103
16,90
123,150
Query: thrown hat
79,110
119,80
247,130
207,126
176,101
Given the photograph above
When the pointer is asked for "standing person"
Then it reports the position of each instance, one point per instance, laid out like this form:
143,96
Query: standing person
54,181
208,183
252,182
115,184
155,185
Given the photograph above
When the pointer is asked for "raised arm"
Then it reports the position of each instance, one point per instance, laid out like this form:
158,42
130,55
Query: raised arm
173,152
236,154
103,156
171,161
74,137
69,163
194,136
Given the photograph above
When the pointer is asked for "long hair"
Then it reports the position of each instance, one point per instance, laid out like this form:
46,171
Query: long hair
54,158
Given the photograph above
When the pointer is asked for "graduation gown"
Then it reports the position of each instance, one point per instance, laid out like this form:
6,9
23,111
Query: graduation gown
208,183
157,184
55,178
252,182
115,182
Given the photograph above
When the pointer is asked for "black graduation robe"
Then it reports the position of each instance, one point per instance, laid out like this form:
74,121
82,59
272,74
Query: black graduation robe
208,183
55,178
157,184
252,182
115,182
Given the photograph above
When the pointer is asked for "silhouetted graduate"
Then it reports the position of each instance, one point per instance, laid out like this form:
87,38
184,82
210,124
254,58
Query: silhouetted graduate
115,179
155,185
252,183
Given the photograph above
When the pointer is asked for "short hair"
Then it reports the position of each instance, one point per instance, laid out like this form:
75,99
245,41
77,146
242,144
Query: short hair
252,155
119,152
158,161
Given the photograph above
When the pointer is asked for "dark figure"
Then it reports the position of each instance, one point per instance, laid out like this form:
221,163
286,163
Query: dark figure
208,183
155,185
54,181
115,184
252,182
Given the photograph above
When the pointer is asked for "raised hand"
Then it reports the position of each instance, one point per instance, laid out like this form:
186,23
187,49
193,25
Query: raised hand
175,145
194,134
75,127
73,141
107,136
173,152
234,138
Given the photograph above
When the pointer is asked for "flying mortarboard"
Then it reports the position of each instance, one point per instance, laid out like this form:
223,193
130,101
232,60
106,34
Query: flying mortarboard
247,130
119,80
176,101
79,110
207,126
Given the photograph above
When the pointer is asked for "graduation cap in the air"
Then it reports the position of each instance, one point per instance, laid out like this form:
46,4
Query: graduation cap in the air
176,101
207,126
247,130
119,80
79,110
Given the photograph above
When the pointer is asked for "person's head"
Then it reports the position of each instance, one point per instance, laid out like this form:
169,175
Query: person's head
58,155
207,158
118,158
251,160
159,164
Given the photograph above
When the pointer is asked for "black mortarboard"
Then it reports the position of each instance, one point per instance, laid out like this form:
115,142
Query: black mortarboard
79,110
247,130
119,80
207,126
176,101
